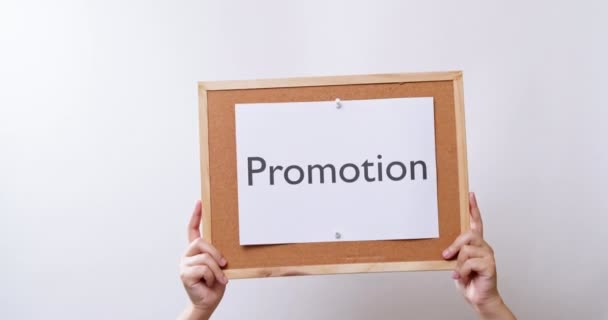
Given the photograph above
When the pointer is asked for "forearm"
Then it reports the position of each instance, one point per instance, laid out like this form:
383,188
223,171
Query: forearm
191,313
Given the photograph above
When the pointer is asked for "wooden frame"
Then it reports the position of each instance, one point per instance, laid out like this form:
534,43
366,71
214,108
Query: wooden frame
455,77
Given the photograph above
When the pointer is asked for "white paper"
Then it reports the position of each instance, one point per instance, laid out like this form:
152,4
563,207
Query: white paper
309,133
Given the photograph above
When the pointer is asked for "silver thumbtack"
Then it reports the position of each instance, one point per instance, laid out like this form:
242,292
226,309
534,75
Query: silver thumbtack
338,235
338,103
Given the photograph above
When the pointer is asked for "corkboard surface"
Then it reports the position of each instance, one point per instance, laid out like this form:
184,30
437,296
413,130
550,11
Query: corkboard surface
223,179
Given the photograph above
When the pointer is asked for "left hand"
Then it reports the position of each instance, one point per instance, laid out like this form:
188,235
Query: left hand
475,272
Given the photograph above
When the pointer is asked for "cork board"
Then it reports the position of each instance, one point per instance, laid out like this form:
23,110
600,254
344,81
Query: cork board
219,175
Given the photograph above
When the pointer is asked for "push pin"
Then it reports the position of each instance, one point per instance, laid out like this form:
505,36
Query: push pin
338,103
338,235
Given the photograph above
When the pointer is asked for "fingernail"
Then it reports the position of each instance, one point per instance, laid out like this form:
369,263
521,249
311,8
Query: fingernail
223,261
455,275
225,280
446,253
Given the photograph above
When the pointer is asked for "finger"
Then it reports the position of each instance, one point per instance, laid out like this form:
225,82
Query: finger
469,237
463,272
468,252
201,246
192,275
481,266
207,259
195,221
476,223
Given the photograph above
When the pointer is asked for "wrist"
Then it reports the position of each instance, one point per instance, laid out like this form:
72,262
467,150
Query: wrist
493,309
194,313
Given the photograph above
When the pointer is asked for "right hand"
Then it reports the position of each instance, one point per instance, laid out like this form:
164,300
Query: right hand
200,271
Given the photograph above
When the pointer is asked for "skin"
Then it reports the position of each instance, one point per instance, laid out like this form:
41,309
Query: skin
474,274
201,273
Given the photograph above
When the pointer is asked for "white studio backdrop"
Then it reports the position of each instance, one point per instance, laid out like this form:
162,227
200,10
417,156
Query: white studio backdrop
99,155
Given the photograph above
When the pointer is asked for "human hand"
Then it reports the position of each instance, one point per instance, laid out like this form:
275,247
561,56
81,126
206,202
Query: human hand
201,273
475,272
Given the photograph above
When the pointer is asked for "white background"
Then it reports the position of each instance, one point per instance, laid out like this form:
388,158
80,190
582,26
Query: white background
99,148
317,133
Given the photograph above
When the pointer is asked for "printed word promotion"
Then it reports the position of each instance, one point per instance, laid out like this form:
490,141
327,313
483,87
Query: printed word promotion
260,172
